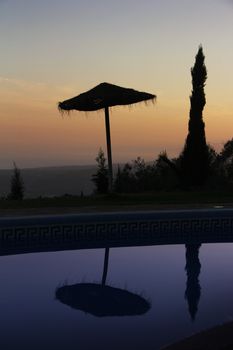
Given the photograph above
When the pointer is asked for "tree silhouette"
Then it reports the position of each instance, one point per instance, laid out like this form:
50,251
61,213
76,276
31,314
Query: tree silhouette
100,179
195,156
224,164
17,185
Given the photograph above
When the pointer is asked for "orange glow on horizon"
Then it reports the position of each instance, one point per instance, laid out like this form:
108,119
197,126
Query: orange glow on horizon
39,132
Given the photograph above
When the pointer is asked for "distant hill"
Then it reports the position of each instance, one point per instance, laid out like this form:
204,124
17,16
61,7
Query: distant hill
52,181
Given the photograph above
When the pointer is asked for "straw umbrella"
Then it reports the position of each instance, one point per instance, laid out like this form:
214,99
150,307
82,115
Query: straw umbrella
103,96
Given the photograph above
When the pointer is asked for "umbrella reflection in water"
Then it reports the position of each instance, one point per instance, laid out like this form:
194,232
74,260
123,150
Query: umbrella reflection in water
101,300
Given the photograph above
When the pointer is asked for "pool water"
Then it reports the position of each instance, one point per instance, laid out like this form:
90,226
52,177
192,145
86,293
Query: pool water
187,288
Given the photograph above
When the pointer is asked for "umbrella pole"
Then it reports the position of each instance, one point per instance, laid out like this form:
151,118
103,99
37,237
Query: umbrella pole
105,266
108,138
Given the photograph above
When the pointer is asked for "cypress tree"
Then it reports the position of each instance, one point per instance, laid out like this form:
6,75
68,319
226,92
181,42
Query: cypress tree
195,156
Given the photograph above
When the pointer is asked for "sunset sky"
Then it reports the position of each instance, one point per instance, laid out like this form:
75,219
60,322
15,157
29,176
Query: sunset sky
52,50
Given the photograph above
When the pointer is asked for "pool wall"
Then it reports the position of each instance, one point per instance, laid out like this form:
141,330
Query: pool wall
115,229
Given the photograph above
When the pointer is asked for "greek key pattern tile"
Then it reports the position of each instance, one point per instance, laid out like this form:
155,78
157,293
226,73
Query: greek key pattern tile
159,230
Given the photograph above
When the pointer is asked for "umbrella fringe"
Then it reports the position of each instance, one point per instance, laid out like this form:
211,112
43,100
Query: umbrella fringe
106,95
129,106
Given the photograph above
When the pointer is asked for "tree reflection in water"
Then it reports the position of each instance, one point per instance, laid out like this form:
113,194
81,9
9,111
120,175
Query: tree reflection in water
193,269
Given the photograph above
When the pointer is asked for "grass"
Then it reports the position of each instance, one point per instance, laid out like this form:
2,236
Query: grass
121,201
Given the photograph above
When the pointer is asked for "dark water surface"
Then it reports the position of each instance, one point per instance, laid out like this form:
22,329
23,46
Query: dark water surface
189,288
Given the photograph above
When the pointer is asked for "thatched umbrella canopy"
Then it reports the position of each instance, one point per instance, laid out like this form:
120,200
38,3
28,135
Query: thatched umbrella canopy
103,96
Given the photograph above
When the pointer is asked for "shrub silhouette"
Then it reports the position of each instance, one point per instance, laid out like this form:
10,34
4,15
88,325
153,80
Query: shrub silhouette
125,180
100,179
17,185
138,176
223,166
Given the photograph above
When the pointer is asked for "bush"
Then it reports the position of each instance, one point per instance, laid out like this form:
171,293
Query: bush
100,179
17,185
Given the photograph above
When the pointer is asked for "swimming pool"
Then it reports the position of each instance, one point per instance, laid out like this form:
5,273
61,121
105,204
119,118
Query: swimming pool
188,288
